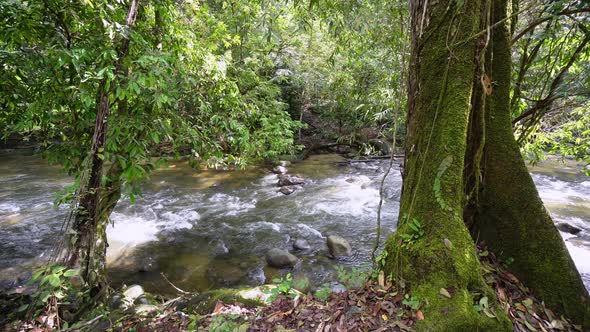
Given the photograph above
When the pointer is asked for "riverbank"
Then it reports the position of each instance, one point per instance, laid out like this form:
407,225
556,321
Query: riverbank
376,305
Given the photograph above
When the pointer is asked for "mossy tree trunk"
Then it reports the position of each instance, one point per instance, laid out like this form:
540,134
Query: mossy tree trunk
464,170
511,217
440,91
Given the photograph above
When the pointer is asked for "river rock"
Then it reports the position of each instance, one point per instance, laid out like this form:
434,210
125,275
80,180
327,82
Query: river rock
133,292
289,180
337,287
564,227
280,258
218,248
116,301
287,190
301,244
380,146
284,163
338,246
279,170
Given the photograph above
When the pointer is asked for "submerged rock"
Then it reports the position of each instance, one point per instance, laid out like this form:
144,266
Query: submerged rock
338,246
564,227
301,244
287,190
224,273
280,258
289,180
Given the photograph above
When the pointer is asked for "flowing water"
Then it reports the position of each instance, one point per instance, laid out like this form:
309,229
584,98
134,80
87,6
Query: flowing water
210,229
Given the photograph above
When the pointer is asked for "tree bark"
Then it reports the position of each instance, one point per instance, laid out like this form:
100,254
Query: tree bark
511,217
87,246
439,94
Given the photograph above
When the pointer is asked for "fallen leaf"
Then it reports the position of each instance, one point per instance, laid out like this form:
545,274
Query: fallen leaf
444,292
448,243
381,279
419,315
501,294
510,277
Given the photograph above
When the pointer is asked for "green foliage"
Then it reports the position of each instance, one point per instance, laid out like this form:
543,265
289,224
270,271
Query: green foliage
412,302
54,288
381,259
415,233
227,323
284,287
182,89
551,72
354,277
567,137
323,293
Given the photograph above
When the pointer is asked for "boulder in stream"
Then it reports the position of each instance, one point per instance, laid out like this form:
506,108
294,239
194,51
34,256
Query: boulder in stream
338,246
280,258
565,227
287,190
289,180
301,244
279,170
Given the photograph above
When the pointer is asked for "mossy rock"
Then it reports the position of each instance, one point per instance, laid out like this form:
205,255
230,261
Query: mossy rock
204,303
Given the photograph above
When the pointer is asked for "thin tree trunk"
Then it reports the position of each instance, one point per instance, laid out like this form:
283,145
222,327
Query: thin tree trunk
88,243
511,217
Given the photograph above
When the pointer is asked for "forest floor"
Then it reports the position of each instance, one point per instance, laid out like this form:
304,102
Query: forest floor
377,306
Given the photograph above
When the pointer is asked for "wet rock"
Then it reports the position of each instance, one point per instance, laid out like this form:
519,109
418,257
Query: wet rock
142,300
289,180
338,246
116,301
218,248
301,244
133,292
337,287
279,170
284,163
380,146
564,227
287,190
280,258
256,276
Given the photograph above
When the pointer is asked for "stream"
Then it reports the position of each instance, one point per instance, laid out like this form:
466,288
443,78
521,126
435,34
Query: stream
207,229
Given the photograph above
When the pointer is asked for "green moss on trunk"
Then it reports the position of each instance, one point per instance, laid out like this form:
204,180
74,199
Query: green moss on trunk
511,217
441,81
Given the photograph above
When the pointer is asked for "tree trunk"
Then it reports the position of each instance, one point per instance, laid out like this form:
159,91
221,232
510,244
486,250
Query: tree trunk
443,256
88,243
511,217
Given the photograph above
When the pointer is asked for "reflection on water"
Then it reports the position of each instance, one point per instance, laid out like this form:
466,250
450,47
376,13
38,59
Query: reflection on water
207,229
